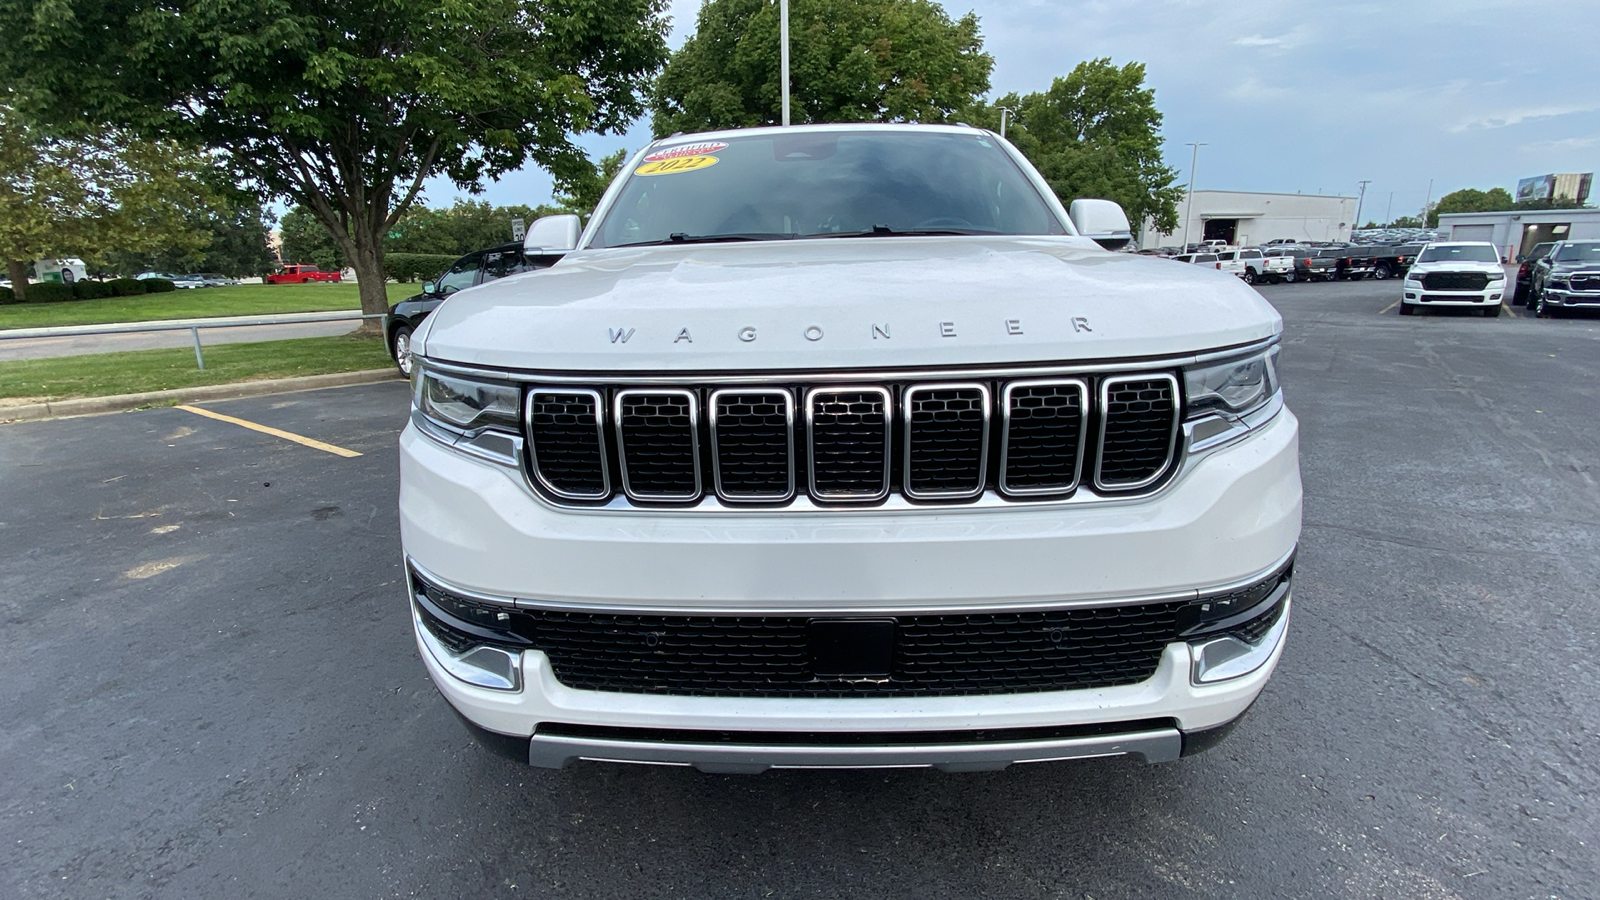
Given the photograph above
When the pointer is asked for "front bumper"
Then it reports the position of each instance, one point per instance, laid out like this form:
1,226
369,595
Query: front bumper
1230,515
1415,296
1572,299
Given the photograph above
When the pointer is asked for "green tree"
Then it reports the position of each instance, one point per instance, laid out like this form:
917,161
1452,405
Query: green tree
581,192
306,242
1406,222
236,244
851,61
344,109
1469,200
92,195
1095,133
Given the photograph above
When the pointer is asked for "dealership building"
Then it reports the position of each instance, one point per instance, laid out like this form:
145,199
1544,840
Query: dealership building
1250,218
1516,232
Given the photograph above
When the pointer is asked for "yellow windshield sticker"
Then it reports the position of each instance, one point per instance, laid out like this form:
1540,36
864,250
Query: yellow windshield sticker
676,165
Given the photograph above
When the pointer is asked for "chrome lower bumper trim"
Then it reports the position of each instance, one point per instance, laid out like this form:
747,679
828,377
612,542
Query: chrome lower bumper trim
558,751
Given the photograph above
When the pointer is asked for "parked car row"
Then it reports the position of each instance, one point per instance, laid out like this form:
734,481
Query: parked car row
1281,261
190,282
1559,276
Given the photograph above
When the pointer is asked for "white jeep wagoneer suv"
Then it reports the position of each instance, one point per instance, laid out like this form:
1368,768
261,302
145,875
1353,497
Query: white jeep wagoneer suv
848,446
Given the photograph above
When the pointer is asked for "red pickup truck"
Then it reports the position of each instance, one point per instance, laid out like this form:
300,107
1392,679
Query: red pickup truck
301,275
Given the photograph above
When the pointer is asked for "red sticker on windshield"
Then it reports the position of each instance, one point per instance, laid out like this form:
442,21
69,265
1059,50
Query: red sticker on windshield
685,150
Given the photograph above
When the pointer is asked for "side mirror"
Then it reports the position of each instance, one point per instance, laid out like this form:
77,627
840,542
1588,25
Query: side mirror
431,287
1521,258
1102,221
553,234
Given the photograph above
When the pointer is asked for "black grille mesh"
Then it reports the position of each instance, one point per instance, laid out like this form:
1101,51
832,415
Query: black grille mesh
768,656
565,434
1044,427
753,448
658,444
1455,281
849,435
946,433
1586,282
1138,428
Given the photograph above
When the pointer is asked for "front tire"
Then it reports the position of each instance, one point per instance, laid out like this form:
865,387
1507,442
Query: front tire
400,347
1493,313
1381,273
1407,309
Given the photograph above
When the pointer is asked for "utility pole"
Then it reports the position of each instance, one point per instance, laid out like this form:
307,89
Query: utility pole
1188,202
1426,202
1005,113
1388,212
783,13
1359,201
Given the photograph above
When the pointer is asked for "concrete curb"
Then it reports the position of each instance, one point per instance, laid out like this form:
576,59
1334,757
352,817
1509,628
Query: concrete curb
90,406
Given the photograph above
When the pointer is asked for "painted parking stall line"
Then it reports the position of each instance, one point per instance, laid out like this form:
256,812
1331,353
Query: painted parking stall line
275,432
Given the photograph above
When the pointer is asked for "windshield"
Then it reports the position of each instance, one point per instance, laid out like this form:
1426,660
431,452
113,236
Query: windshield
1579,253
777,186
1460,253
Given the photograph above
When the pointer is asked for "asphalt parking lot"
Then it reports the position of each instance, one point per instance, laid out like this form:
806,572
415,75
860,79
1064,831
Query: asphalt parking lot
210,687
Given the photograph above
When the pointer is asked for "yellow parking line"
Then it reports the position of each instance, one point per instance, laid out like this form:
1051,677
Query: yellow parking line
1513,312
1389,307
286,435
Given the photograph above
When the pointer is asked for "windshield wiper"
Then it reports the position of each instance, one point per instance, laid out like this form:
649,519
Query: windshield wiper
679,237
886,231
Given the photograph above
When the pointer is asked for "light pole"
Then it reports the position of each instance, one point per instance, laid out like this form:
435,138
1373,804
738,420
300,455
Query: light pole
1359,201
783,28
1005,113
1188,202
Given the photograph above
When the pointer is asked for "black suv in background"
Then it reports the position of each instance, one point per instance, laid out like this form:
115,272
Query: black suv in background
1567,278
1522,294
473,269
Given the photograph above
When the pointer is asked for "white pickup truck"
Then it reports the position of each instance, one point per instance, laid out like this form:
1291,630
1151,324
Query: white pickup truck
1250,264
848,445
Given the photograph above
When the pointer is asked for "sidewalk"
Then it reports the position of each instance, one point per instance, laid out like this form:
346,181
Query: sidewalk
79,340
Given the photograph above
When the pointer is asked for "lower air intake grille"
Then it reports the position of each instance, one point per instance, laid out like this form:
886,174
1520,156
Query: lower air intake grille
769,656
1043,440
658,441
1138,429
565,437
947,440
849,431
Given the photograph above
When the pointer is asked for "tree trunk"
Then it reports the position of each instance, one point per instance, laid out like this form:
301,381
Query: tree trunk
17,271
367,260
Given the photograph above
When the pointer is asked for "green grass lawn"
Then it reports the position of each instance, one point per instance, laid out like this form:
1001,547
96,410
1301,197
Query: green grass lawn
104,374
235,300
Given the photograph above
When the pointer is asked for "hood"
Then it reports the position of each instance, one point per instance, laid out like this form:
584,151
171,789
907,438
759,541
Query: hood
845,303
1457,266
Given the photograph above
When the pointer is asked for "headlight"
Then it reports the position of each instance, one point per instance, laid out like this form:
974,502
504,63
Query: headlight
1497,276
1413,276
465,404
1556,281
1232,388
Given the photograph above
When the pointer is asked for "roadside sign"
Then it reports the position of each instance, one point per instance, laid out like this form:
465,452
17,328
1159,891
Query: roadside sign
519,229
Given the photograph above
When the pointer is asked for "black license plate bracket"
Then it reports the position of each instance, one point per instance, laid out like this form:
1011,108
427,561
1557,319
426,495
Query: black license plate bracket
851,648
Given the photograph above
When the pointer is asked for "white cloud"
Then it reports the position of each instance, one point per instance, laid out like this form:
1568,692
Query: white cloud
1256,40
1506,119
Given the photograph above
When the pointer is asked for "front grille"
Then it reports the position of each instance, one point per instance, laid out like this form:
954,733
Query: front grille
1138,427
1455,281
849,442
1023,439
743,655
947,440
1586,282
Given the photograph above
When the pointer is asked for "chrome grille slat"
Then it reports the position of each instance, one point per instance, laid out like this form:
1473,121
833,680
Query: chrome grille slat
752,444
566,442
658,442
849,430
1045,434
946,441
1139,418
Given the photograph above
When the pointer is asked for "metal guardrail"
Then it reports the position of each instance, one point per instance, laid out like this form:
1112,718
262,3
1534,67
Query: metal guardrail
192,326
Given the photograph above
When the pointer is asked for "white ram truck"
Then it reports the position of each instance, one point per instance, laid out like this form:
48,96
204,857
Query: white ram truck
1254,267
848,446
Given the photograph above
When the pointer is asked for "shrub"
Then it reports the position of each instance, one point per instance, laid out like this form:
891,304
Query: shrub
414,266
159,285
48,292
6,296
126,287
85,289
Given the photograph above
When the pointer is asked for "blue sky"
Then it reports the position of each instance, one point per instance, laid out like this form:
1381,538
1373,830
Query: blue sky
1310,97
